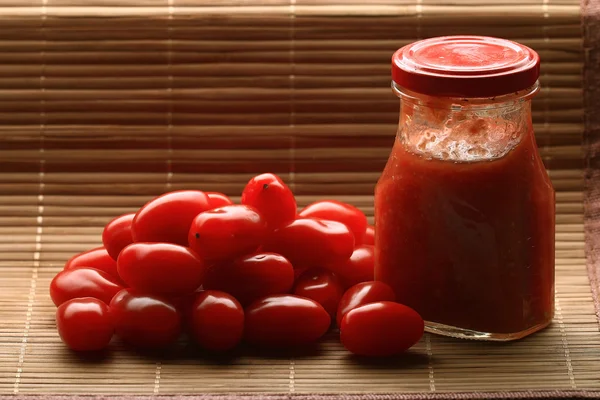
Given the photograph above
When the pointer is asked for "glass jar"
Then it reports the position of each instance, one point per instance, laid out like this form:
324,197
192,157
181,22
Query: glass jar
464,209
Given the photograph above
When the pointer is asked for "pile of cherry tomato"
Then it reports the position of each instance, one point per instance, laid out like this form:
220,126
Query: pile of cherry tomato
258,272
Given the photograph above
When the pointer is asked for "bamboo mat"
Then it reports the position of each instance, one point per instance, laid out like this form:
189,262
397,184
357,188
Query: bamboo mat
106,103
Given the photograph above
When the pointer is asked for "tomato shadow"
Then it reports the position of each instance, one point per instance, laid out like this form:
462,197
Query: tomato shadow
91,357
184,352
307,351
407,360
192,352
152,355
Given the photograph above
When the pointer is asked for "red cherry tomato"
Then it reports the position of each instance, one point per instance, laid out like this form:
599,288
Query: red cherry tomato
83,282
361,294
217,200
251,277
309,242
184,305
84,324
97,258
117,235
321,286
298,273
145,320
358,268
334,210
369,237
217,321
227,232
285,321
161,268
381,329
168,218
184,302
272,198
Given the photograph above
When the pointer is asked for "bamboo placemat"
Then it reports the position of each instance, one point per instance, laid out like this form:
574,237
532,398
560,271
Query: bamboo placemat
106,103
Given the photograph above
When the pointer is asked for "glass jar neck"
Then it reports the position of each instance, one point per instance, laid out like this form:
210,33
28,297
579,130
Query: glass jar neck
463,129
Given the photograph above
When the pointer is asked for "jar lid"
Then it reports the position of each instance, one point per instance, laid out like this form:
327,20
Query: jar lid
465,66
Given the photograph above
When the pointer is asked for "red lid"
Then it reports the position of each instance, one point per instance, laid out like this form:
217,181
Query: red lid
465,66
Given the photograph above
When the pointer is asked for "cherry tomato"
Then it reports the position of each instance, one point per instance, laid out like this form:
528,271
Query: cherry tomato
168,218
334,210
361,294
184,302
272,198
358,268
144,320
184,305
298,273
117,235
161,268
321,286
369,237
83,282
309,242
251,277
285,320
84,324
217,200
97,258
227,232
381,329
217,321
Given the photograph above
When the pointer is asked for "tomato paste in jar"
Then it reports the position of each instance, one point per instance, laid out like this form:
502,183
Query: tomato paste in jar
464,209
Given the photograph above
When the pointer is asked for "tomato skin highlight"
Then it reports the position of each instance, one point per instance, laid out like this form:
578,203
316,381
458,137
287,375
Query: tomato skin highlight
84,324
83,282
334,210
226,233
381,329
251,277
272,198
360,267
322,286
283,321
311,242
369,237
361,294
168,218
117,234
97,258
217,321
143,320
217,199
161,268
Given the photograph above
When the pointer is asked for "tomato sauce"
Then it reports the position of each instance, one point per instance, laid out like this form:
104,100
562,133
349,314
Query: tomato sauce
469,244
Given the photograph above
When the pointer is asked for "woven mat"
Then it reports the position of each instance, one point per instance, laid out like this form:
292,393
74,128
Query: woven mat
105,105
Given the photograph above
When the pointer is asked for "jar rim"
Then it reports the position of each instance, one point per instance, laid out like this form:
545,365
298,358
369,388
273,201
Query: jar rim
505,100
